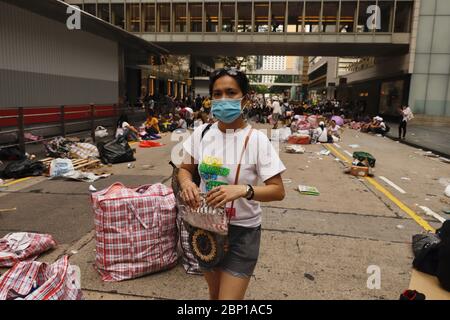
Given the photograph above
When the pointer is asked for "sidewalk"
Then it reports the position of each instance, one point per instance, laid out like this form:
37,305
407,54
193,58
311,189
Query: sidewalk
430,138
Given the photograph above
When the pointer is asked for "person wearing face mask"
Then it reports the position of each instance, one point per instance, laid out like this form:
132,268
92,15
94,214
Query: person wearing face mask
221,148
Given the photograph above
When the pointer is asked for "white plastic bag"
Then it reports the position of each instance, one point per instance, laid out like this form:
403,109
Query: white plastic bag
101,132
60,166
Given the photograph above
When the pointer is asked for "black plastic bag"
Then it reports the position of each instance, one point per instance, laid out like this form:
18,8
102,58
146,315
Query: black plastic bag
443,270
23,168
426,252
11,154
115,151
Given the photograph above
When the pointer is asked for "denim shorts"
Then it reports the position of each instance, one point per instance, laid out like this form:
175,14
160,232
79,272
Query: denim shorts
243,251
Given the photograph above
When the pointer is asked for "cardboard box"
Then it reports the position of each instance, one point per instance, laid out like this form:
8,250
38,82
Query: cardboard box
428,285
359,171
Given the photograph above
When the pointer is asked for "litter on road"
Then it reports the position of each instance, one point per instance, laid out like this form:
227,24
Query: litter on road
433,214
308,190
7,210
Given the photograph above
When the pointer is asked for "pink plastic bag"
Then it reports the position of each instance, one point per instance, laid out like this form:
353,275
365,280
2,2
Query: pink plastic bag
135,231
21,246
33,280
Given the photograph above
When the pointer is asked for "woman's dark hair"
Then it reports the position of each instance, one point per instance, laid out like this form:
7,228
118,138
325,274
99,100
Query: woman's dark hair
239,76
123,118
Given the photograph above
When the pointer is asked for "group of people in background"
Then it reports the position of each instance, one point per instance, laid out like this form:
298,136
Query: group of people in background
168,114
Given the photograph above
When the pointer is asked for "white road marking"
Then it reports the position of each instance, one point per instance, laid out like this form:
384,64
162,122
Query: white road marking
433,214
348,153
337,146
393,185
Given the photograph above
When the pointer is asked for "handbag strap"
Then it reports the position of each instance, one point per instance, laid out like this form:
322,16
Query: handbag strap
238,170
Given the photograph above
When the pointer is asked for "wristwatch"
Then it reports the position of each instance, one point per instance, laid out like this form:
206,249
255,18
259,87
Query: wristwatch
250,193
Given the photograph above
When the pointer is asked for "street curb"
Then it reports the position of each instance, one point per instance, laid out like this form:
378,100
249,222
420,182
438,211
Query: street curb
412,144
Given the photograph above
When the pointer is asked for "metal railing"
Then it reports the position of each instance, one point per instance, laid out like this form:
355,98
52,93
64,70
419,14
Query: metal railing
95,115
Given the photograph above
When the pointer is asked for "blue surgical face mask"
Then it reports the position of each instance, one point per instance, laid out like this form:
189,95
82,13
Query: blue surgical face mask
226,110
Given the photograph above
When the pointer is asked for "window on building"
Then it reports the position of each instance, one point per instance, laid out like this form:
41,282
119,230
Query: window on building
347,19
228,17
312,16
244,11
295,16
148,17
180,17
386,15
278,16
196,17
403,15
103,10
117,15
164,17
90,8
365,12
261,16
212,17
329,16
133,17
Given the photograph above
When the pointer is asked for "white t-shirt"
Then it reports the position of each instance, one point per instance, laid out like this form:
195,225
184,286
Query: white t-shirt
276,107
221,151
120,130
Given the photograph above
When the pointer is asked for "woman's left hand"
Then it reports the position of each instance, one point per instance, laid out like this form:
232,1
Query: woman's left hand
219,196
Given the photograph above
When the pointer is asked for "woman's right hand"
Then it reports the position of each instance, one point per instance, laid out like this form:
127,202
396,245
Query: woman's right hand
190,194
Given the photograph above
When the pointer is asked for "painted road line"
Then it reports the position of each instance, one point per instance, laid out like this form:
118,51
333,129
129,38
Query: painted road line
15,181
348,153
337,146
389,195
433,214
393,185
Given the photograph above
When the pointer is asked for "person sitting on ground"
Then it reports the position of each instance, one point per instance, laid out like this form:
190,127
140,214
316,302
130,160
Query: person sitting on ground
322,134
382,128
198,119
334,129
180,123
151,125
124,129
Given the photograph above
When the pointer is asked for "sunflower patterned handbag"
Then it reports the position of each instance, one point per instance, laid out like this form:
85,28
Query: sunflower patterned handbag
208,226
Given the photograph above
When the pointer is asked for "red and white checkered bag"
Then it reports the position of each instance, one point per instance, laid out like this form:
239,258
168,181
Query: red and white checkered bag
33,280
21,246
135,231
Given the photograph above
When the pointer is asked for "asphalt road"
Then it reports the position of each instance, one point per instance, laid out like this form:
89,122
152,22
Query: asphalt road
313,247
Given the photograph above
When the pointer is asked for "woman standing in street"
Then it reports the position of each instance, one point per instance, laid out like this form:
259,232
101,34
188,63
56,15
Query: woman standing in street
405,115
221,148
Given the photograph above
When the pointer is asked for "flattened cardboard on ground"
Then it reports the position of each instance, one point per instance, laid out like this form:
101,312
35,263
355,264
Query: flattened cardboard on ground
428,285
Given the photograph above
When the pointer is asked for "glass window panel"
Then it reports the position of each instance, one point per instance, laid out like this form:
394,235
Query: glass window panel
329,16
148,16
363,17
117,15
196,14
180,17
133,17
164,17
441,41
295,16
244,11
278,16
261,16
90,8
212,17
386,15
347,19
312,17
103,11
403,15
228,17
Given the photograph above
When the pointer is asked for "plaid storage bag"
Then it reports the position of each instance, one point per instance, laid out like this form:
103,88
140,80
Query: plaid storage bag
33,280
135,231
23,246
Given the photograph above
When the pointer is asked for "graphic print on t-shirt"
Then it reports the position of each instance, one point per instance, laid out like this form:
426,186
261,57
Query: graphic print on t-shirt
210,169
